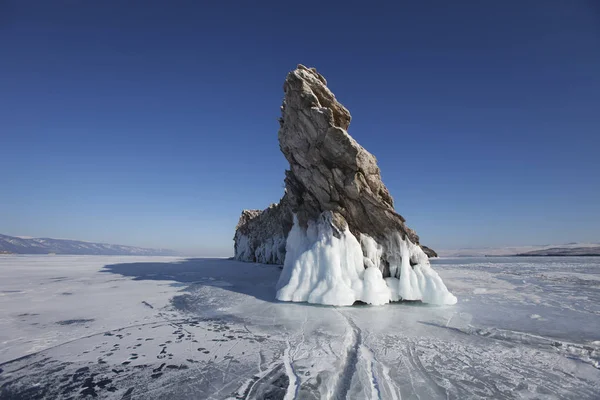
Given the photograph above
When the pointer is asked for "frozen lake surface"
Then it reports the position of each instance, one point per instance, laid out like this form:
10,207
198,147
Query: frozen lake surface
172,328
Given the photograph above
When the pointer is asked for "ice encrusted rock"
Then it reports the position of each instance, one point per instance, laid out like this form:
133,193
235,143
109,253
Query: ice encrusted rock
326,264
260,236
344,242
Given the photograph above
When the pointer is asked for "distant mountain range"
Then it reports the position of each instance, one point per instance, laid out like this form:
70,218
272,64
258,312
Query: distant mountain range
564,251
569,249
17,245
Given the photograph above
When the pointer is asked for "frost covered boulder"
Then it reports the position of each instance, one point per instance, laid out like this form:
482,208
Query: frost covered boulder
344,242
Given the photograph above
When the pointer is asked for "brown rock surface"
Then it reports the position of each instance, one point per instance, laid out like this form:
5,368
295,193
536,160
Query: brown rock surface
329,171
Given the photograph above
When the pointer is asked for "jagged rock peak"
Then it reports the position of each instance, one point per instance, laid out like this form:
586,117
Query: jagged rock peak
335,229
329,170
312,88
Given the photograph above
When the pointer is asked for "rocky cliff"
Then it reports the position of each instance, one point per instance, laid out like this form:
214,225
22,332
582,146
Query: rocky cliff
333,198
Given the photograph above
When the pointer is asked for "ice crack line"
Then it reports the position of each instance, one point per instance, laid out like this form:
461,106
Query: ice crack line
345,380
369,358
293,379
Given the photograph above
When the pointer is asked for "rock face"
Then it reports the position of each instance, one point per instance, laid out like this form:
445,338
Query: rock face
333,190
260,235
329,171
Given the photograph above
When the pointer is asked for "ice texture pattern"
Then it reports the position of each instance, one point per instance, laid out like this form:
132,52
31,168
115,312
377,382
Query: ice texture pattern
170,328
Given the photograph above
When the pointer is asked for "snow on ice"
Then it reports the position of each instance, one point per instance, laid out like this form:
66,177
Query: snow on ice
171,328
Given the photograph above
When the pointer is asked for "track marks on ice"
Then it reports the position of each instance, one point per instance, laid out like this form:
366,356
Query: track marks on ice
457,369
589,354
363,375
293,379
353,340
417,366
272,383
369,360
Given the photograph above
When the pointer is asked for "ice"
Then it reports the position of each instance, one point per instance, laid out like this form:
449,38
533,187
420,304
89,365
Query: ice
320,267
418,282
242,250
175,328
269,251
394,286
374,288
371,250
328,267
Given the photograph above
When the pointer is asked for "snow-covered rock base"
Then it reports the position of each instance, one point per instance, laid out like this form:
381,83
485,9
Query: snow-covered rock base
326,265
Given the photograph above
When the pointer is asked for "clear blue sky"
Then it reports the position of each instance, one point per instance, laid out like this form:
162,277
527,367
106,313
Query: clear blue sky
154,123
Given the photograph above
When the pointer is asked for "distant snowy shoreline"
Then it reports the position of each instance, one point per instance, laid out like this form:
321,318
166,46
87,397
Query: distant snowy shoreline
22,245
